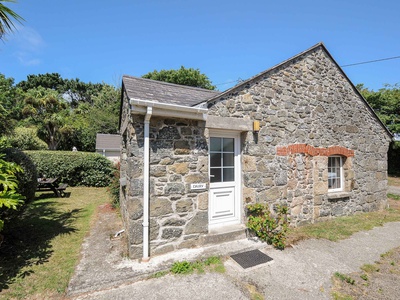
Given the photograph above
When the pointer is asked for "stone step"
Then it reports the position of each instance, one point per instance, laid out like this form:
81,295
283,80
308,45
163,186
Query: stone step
224,234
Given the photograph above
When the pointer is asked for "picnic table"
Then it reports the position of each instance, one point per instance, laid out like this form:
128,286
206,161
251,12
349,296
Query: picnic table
50,184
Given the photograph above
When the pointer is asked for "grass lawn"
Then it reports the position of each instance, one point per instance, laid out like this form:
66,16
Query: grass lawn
41,250
343,227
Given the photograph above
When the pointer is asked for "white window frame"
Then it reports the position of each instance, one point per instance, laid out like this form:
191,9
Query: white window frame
341,178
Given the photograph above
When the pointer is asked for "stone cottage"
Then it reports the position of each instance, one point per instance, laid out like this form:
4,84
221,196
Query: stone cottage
298,134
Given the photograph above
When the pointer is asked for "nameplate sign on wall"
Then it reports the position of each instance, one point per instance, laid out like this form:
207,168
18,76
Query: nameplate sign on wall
198,186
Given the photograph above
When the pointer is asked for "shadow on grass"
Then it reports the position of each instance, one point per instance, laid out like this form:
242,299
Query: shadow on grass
27,240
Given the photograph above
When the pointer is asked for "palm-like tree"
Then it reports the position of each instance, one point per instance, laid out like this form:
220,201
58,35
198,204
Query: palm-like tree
6,16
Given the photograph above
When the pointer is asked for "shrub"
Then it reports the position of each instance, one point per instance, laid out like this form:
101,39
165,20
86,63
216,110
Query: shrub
26,139
9,198
268,228
27,180
74,168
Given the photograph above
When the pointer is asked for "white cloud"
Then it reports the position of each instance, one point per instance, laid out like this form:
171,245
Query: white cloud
29,45
27,59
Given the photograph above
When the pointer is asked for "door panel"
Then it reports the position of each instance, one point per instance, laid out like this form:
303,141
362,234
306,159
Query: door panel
222,203
224,170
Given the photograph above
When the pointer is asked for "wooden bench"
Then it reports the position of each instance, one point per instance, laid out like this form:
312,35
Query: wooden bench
61,189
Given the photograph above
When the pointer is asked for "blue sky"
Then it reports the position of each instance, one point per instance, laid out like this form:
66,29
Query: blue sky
99,41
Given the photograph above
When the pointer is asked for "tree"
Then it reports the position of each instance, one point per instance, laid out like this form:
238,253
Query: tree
386,104
47,110
183,76
52,81
6,16
101,116
73,90
10,104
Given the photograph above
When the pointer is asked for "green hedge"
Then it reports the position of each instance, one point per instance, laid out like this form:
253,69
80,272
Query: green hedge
74,168
27,180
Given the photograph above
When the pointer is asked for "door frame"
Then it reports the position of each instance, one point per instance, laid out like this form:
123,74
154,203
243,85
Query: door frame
237,183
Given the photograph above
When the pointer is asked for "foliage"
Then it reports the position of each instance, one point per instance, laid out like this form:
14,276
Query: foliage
28,177
67,112
393,196
44,107
272,229
10,104
182,267
212,263
52,81
74,168
40,251
6,16
9,196
74,90
364,277
386,103
114,187
183,76
345,278
25,138
87,119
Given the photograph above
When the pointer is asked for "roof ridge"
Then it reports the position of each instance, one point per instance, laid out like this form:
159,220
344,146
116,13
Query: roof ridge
172,84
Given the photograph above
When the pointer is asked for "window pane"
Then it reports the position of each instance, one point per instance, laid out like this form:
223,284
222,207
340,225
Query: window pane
334,172
215,159
215,175
215,144
229,174
228,159
228,145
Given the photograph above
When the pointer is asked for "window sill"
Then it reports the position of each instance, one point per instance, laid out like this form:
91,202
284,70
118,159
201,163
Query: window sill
338,195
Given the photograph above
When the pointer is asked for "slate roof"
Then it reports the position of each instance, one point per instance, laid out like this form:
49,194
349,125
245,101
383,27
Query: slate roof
164,92
108,141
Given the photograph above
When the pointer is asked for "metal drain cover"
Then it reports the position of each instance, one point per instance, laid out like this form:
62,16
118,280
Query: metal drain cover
251,258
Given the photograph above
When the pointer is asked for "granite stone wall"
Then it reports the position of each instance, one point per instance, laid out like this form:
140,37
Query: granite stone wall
178,158
308,102
307,111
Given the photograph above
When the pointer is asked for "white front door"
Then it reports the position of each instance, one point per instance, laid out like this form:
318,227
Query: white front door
224,170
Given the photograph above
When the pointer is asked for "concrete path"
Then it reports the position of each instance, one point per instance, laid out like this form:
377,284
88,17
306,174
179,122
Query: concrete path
394,190
302,272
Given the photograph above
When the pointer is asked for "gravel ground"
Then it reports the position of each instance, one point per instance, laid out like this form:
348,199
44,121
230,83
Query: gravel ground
374,281
302,272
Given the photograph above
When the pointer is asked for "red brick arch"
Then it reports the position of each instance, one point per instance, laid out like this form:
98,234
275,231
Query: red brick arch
313,151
